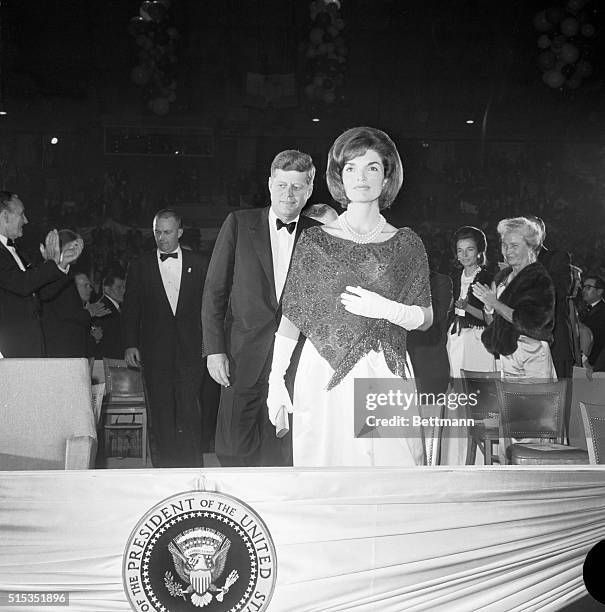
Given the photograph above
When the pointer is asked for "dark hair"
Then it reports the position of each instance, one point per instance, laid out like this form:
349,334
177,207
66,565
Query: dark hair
110,277
470,232
355,142
291,159
168,213
5,199
599,281
66,236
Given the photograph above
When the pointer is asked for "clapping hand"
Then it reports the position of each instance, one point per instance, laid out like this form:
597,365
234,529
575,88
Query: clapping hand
71,252
485,294
97,309
51,250
461,304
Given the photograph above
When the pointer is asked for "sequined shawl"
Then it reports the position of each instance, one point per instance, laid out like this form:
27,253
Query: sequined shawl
323,265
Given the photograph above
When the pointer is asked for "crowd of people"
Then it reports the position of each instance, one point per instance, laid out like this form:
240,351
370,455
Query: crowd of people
296,303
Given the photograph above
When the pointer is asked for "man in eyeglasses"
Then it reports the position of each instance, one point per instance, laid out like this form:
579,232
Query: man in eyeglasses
241,311
594,315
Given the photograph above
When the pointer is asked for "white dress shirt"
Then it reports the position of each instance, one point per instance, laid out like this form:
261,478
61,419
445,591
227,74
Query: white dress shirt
282,245
170,270
13,252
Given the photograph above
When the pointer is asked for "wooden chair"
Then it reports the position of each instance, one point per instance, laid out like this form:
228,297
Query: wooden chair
593,418
535,410
485,414
124,416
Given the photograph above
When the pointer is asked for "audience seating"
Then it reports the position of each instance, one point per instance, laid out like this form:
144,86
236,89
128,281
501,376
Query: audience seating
593,417
46,415
485,414
535,410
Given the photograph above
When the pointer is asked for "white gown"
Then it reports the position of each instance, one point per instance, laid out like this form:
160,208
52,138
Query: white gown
323,421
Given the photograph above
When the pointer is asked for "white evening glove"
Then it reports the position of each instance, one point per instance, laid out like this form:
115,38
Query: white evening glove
369,304
278,395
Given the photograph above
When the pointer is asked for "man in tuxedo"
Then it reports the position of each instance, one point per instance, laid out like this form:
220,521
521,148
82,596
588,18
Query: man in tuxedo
109,327
20,326
593,316
241,311
161,322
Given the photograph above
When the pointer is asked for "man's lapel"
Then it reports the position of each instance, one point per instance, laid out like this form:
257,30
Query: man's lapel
186,279
156,279
259,232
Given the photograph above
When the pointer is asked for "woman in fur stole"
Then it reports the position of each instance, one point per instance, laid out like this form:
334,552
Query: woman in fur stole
520,304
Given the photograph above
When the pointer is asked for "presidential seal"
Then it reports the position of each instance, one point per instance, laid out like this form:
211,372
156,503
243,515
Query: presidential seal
200,551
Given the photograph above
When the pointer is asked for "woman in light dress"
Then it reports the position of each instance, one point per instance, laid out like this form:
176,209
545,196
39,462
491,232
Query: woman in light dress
464,346
520,304
355,287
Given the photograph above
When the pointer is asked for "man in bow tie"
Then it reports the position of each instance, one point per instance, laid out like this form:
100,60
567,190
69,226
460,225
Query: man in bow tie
20,326
161,322
241,311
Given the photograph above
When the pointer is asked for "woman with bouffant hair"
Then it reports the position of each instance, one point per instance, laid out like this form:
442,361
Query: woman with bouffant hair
520,304
356,286
467,319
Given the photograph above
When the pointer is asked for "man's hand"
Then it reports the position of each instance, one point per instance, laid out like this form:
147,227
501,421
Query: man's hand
97,309
132,357
50,250
218,367
71,252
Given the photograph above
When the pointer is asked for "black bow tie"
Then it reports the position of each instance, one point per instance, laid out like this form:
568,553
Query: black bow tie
165,256
289,226
10,242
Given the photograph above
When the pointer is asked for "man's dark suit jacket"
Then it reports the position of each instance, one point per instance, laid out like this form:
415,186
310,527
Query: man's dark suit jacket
240,312
65,321
595,320
427,349
20,327
112,343
165,340
240,315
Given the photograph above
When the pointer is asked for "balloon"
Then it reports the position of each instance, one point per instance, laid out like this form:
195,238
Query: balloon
160,106
555,14
140,75
137,26
316,35
553,78
544,41
144,10
558,42
570,26
329,97
157,11
584,68
546,60
573,6
588,30
569,53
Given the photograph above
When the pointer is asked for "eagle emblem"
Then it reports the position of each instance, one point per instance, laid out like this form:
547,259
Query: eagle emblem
199,557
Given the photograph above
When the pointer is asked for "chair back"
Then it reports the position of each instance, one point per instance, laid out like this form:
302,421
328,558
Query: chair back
481,388
532,409
123,385
593,418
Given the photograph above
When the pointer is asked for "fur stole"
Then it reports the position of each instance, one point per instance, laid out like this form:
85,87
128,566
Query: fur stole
531,295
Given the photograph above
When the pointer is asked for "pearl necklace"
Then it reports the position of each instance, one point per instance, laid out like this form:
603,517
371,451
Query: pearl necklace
361,238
